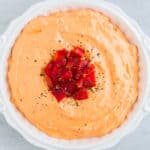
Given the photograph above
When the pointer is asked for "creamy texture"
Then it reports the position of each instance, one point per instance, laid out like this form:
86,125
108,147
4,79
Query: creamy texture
116,64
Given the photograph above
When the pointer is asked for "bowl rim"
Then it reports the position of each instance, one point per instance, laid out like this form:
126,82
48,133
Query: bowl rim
9,108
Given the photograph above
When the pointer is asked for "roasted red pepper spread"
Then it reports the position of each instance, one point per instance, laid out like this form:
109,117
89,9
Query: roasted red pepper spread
70,74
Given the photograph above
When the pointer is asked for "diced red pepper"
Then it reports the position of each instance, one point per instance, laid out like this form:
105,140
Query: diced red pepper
49,82
80,83
69,88
88,69
61,62
77,51
78,74
48,68
68,74
81,64
72,61
81,94
55,73
59,94
89,80
60,54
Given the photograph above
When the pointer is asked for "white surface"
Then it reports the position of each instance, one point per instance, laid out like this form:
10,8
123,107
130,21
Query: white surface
25,145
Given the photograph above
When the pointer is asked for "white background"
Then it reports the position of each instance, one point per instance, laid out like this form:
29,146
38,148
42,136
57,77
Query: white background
140,11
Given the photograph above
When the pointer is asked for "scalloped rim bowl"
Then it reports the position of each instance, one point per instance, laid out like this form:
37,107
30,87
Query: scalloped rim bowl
132,31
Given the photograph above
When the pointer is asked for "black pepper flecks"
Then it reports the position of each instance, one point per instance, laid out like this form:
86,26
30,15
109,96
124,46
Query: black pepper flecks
114,83
88,51
59,41
96,88
77,104
91,89
98,54
85,124
43,94
42,74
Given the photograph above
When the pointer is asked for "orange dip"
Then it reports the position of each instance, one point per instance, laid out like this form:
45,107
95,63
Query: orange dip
116,66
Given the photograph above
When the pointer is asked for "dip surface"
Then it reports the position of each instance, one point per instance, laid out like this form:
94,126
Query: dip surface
116,66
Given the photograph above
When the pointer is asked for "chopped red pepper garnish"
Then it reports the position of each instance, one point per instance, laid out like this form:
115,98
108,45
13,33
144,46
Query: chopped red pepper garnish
70,74
81,94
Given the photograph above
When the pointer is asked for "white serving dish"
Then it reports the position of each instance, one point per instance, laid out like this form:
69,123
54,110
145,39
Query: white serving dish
133,32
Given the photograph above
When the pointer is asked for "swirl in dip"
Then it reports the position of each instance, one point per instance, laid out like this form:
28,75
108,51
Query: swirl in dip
116,71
